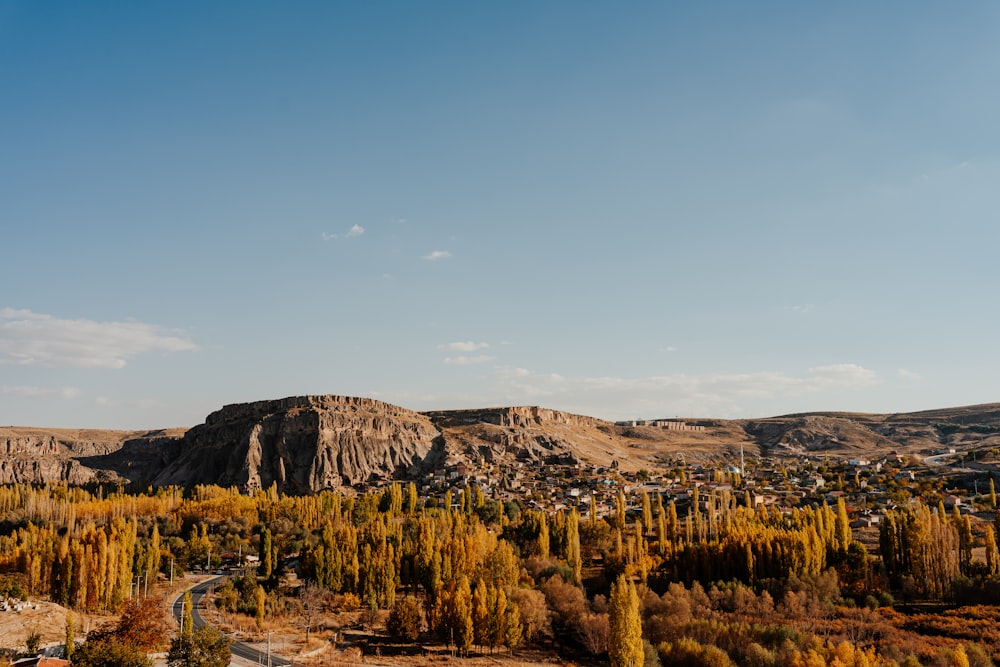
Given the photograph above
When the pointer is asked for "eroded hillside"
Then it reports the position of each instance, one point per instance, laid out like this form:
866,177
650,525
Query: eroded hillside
306,443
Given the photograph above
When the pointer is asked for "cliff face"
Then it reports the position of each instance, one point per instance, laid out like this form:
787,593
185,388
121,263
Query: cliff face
35,456
519,417
304,444
527,433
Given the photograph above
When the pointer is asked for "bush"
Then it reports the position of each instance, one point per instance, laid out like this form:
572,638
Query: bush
351,602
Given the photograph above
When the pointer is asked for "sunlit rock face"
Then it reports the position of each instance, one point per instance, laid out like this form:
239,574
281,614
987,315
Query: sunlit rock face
305,444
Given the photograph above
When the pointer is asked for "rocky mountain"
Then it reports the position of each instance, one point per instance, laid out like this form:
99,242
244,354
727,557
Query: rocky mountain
307,443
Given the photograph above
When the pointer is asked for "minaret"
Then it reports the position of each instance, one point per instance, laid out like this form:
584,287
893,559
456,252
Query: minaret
743,470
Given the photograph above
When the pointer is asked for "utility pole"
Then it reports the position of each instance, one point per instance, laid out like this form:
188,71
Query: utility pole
171,571
268,648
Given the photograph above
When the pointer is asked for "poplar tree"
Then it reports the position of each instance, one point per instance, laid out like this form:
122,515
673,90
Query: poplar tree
70,636
842,527
647,512
513,630
187,622
265,553
480,614
460,614
625,640
259,599
992,557
543,536
412,501
573,558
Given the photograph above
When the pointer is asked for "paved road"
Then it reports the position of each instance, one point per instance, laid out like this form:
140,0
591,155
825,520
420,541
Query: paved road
939,460
238,648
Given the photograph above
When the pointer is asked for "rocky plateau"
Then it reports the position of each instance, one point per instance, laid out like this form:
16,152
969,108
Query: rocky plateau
304,444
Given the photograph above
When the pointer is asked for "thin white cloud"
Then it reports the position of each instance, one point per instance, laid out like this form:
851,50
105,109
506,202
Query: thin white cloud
909,375
840,375
35,339
354,232
464,346
712,394
435,255
40,392
468,361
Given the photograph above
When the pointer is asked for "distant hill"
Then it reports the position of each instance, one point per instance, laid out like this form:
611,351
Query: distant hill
307,443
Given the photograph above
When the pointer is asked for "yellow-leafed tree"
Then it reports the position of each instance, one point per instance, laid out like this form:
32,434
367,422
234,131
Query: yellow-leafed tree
625,641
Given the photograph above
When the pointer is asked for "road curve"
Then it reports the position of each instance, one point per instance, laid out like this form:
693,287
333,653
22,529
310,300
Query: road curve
238,648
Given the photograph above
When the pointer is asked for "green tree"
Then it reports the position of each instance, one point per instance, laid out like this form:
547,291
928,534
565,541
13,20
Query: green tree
205,647
265,554
260,598
110,651
625,641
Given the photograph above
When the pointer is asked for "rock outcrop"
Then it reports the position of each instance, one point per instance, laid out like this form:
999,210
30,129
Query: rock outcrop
306,443
524,432
35,456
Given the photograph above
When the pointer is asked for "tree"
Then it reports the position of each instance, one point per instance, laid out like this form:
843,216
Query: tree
456,614
532,612
573,545
625,638
265,554
110,651
187,623
141,629
310,601
260,597
404,618
144,624
70,638
543,536
992,557
513,631
594,631
842,526
205,647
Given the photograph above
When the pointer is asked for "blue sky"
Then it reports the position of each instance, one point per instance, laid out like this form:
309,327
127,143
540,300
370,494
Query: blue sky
622,210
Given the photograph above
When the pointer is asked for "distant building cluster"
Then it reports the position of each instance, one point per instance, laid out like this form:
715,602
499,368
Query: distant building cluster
667,425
